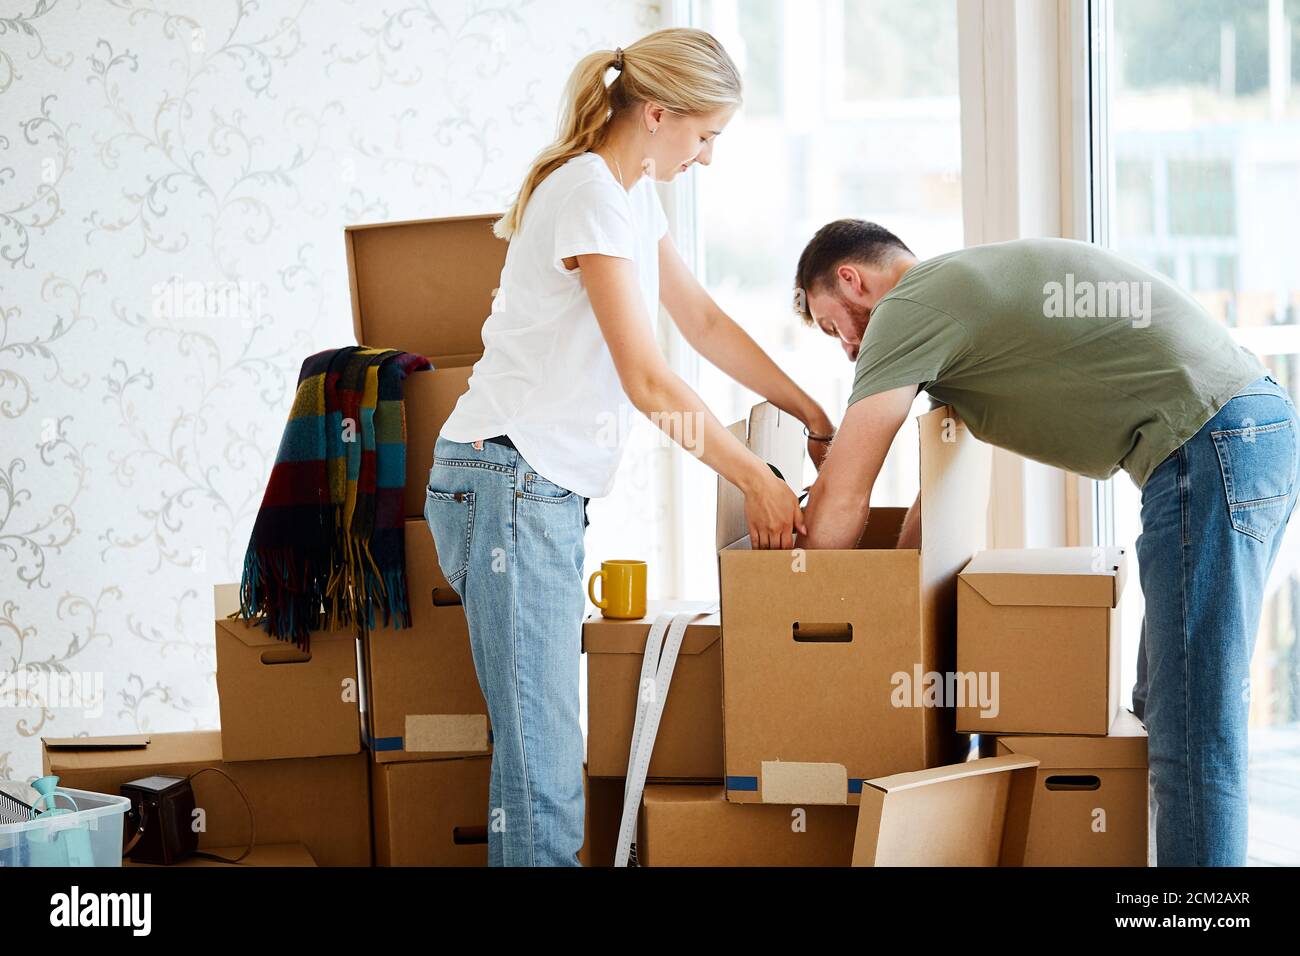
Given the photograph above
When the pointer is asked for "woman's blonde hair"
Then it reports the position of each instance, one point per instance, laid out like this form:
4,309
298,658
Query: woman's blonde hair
683,70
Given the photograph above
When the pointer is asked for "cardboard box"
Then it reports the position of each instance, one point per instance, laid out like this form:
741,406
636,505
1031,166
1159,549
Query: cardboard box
820,647
272,854
425,286
421,696
604,813
969,814
277,701
1044,624
431,812
689,742
1090,796
320,802
695,825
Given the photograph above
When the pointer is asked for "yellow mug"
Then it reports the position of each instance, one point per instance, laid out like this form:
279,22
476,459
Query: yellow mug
622,592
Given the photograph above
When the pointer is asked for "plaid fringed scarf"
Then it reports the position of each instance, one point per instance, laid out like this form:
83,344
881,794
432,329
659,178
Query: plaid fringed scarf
328,545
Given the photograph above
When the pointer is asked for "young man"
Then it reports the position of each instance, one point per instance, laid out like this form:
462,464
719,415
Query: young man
1066,353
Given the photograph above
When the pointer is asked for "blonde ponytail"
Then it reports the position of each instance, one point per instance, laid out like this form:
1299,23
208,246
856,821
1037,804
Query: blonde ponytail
683,70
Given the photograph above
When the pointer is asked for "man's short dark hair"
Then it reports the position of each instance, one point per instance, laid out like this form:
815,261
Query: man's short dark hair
844,240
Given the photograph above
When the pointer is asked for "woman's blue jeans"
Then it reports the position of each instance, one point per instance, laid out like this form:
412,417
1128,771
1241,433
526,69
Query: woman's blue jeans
1213,515
510,543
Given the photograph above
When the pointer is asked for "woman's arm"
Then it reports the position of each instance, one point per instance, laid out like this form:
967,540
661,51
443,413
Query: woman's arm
718,337
771,508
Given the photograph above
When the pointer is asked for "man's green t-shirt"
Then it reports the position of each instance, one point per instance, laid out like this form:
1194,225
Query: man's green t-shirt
1061,351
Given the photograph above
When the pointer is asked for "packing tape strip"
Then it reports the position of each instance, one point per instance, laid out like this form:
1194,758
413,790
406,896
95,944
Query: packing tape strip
657,664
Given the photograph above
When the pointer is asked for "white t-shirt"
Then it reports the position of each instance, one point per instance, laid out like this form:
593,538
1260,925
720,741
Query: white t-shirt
546,378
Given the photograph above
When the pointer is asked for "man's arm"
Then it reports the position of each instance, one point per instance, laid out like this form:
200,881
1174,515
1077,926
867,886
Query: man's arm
840,499
909,536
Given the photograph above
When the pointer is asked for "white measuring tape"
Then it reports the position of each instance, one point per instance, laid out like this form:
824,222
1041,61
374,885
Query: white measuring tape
656,675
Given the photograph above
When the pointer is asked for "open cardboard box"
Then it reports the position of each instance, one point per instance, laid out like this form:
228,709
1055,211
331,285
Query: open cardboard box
425,286
969,814
815,643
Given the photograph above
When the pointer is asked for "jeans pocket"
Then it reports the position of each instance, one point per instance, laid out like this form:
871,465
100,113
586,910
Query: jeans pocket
450,516
1258,466
540,489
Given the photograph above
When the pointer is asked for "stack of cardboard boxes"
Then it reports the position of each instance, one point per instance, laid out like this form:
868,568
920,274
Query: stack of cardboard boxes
425,287
368,751
1039,641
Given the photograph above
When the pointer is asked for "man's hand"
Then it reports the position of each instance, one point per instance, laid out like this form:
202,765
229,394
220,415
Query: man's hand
839,500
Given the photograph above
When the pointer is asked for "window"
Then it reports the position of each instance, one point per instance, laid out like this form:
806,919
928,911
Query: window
1203,132
851,110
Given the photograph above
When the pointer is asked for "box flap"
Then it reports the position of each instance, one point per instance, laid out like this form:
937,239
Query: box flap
912,779
969,814
956,470
274,650
225,600
90,753
604,635
425,286
777,438
1125,747
121,742
1048,577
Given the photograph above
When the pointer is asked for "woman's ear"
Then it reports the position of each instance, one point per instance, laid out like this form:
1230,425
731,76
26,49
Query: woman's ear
654,115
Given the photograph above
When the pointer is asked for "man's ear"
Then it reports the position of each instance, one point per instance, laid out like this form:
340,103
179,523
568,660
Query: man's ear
846,273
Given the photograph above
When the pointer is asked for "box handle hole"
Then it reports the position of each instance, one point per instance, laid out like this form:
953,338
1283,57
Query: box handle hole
469,836
445,597
815,632
285,655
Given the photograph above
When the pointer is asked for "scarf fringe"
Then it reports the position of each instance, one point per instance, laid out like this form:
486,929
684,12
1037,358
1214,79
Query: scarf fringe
281,593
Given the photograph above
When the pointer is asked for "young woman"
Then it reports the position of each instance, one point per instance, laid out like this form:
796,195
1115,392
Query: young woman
569,340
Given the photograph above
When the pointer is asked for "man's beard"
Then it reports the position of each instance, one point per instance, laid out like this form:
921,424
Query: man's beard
858,314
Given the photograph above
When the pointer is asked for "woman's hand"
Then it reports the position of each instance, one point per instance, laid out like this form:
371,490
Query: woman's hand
772,513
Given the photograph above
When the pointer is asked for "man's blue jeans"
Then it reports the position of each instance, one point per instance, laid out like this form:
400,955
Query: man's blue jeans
1213,515
511,545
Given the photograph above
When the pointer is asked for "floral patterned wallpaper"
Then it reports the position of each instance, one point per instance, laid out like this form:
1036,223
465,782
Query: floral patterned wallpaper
174,181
